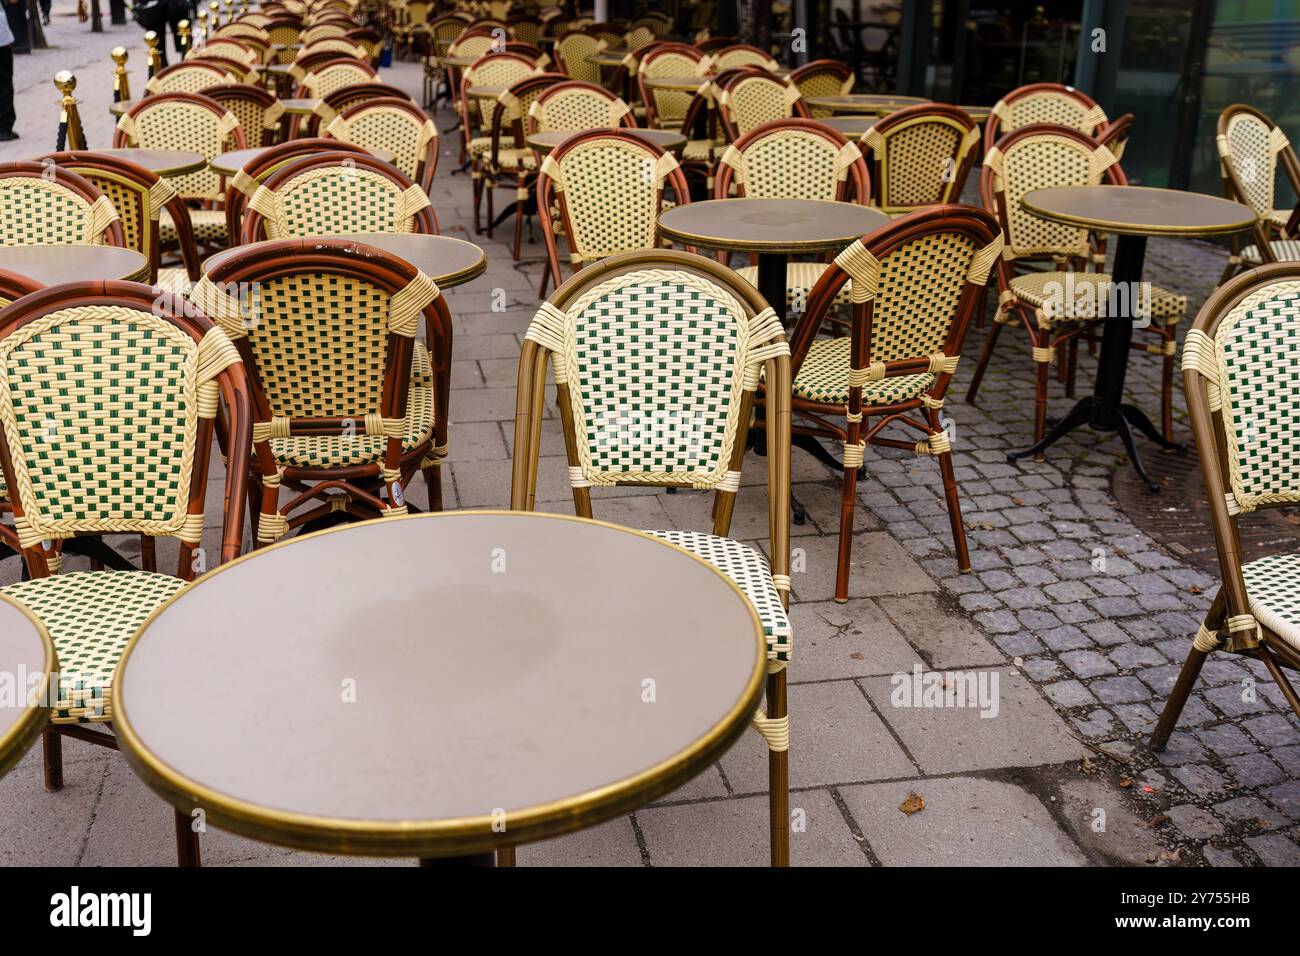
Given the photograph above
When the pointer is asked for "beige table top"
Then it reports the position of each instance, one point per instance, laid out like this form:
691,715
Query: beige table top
849,125
667,139
878,104
978,113
485,92
681,84
447,261
1140,210
56,264
608,57
227,164
164,162
280,69
26,655
299,106
769,225
477,668
458,62
117,109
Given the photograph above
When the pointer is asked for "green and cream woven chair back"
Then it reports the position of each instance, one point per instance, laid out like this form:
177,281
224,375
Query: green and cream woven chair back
111,440
572,50
246,181
738,55
1043,103
920,156
665,109
258,111
748,101
609,187
822,78
1251,148
186,78
792,159
493,69
336,194
328,332
396,125
323,80
184,121
577,106
44,203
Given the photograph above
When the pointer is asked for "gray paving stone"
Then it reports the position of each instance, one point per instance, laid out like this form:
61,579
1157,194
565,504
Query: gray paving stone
879,566
610,844
1275,849
1087,664
1200,779
1251,811
1103,823
1069,693
846,640
944,639
1194,822
1286,797
967,821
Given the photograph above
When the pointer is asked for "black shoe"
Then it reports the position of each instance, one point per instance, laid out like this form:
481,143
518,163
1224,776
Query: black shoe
8,135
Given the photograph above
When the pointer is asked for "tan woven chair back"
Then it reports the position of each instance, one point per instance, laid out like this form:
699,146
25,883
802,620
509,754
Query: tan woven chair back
395,125
258,111
493,69
323,80
793,159
1050,103
822,78
185,121
748,101
187,77
741,54
1249,144
920,156
577,106
572,50
667,107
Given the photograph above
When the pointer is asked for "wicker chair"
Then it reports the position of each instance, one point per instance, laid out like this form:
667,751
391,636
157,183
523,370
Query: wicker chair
133,426
139,196
13,286
525,28
45,203
575,106
673,337
344,393
258,111
244,183
323,31
397,125
572,50
227,48
740,54
336,194
190,77
321,80
608,188
822,78
186,121
915,286
284,32
371,41
236,70
1250,145
443,32
340,45
1039,157
793,159
920,156
660,24
1044,103
476,115
335,103
749,100
1240,375
665,109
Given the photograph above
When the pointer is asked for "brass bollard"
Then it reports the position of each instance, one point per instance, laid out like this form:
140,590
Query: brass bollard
183,31
154,63
201,37
71,135
230,11
215,7
121,82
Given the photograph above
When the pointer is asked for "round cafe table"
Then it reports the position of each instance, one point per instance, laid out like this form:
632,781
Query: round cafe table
457,62
227,164
851,126
27,656
872,104
164,162
676,84
55,264
300,106
1132,213
447,261
485,92
485,679
666,139
119,107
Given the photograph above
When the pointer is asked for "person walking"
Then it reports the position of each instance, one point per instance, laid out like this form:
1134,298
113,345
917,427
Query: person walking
159,15
7,116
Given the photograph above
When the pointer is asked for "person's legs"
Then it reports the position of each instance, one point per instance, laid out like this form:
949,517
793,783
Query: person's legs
45,11
7,116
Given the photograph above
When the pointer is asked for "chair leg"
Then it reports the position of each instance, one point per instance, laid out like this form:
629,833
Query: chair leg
489,189
506,856
433,479
778,772
52,753
1071,367
519,219
187,841
954,511
1178,698
477,179
994,330
1040,403
848,498
1167,394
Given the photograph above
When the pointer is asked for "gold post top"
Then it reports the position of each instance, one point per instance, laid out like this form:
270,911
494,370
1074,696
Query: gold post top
151,39
118,53
66,82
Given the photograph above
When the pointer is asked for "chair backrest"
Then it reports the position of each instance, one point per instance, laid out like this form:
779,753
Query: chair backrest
45,203
920,156
917,283
1043,103
659,23
336,194
339,44
327,332
750,100
335,103
245,181
638,37
321,32
228,48
666,108
258,111
1249,145
525,28
117,440
322,80
529,52
187,121
609,186
188,77
491,69
657,356
793,159
238,29
572,50
1042,157
13,286
823,78
139,195
237,70
284,32
575,106
445,29
473,42
397,125
1114,135
369,40
741,54
511,111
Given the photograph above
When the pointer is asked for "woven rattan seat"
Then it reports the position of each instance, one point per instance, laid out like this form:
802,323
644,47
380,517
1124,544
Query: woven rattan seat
1038,288
824,377
1273,586
208,225
1282,249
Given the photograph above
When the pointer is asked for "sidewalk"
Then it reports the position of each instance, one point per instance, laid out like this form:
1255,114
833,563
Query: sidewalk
1082,651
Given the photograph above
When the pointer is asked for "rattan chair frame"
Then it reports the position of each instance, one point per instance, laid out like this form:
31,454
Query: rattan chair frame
245,182
732,126
995,128
1236,188
650,97
271,128
965,147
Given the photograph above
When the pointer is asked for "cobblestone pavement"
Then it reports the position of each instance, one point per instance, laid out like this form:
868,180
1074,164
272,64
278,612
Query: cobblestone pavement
1082,618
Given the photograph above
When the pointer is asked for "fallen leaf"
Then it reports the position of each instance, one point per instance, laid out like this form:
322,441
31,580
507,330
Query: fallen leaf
856,655
1087,766
1172,856
1195,590
1017,502
914,803
1126,783
1159,820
